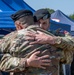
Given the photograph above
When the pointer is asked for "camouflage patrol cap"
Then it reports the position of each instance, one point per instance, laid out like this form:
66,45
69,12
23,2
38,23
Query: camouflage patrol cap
21,13
41,14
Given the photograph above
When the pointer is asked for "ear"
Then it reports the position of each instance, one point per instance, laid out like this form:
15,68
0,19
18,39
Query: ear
18,25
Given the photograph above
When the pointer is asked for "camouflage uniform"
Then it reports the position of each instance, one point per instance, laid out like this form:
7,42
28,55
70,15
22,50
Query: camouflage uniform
16,47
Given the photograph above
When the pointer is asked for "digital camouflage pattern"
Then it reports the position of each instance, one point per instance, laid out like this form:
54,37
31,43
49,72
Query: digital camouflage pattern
16,47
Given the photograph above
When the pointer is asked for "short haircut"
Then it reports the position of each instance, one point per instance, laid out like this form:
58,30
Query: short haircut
29,20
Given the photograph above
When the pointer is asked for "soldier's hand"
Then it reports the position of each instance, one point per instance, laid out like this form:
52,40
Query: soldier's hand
40,62
40,38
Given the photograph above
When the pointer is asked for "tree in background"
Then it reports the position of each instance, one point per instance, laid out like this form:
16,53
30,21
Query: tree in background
50,10
72,16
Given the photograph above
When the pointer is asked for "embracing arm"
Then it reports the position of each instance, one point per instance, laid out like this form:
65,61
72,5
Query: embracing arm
15,64
44,37
64,43
9,63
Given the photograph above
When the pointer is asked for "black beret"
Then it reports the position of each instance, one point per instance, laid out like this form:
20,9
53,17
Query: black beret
39,14
21,13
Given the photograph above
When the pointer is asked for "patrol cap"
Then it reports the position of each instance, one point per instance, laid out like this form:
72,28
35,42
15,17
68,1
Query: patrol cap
21,13
41,14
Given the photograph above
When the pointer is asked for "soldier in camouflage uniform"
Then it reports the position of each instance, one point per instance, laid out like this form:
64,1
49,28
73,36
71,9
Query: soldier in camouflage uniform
65,42
18,48
12,61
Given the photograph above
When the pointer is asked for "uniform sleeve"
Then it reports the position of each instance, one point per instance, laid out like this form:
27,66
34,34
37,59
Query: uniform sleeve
9,63
5,42
66,43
